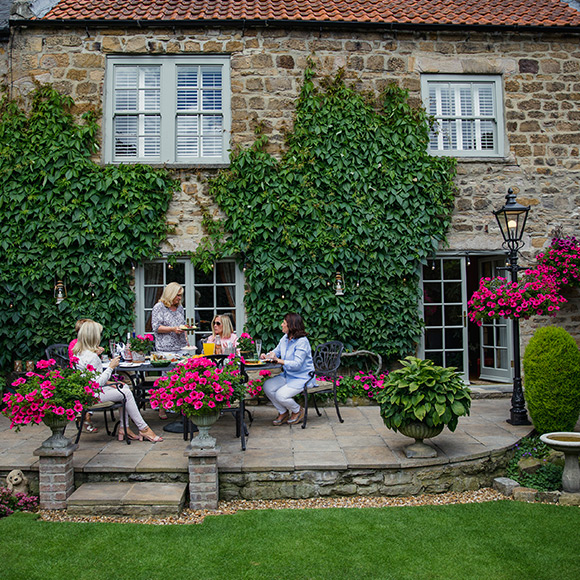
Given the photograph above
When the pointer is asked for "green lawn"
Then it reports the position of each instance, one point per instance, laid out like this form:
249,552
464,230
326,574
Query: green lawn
496,541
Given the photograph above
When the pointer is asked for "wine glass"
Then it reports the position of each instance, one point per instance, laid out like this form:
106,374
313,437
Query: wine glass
258,344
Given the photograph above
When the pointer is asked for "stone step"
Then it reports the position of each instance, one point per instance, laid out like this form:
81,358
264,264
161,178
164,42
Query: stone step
127,498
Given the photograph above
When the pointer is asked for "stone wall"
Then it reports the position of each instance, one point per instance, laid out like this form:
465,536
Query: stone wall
459,476
541,93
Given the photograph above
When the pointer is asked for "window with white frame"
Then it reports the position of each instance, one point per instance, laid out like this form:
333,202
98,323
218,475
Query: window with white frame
220,291
469,114
167,109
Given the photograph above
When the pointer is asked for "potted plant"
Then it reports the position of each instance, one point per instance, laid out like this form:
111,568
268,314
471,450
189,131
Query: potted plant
142,346
246,346
199,389
50,395
420,399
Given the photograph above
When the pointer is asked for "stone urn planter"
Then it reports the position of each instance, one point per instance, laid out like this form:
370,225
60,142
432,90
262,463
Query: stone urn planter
420,399
204,421
420,431
57,424
569,444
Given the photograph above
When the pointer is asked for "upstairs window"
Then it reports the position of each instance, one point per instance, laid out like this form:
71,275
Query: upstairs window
468,112
167,110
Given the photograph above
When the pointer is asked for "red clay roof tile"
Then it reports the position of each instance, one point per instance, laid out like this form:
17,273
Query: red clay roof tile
545,13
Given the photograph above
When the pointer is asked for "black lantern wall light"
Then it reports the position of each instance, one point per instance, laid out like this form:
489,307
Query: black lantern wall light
511,219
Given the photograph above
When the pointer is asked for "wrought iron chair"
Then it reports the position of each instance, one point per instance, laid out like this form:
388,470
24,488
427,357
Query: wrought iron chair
107,407
326,360
59,353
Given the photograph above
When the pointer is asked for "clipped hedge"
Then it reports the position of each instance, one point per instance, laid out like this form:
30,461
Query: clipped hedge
552,380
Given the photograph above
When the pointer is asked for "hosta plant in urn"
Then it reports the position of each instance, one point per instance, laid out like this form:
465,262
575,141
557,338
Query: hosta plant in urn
52,396
420,399
199,389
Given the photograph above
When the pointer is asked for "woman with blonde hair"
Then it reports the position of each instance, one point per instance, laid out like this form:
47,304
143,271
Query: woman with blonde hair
167,317
89,338
221,326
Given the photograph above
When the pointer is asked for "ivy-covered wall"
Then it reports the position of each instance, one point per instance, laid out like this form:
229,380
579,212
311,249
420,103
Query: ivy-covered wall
66,218
356,193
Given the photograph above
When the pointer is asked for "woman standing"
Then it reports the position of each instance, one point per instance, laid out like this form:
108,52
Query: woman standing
166,318
85,349
222,329
295,355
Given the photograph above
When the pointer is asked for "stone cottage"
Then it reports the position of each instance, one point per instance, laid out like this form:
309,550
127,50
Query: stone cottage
502,78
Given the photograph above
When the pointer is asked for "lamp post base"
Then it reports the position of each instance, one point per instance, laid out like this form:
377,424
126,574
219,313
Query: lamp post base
518,418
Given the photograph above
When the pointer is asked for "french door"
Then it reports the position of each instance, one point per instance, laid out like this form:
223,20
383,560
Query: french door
445,340
494,335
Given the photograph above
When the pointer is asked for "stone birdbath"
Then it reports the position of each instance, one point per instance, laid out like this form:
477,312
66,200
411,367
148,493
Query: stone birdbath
569,444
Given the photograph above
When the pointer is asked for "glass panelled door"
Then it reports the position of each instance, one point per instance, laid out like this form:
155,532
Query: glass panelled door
445,313
495,335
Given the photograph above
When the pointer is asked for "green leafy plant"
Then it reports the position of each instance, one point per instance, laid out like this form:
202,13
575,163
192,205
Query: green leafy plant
355,191
548,477
422,391
65,217
552,380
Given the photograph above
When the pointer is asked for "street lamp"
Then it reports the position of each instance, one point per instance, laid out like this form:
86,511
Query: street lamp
511,219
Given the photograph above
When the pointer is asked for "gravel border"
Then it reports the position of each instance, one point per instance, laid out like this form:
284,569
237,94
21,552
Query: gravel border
231,507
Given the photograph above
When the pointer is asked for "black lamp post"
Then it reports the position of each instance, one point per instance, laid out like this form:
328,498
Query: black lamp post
511,219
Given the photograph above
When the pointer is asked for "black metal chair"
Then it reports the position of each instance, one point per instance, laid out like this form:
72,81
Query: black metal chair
107,407
59,353
326,360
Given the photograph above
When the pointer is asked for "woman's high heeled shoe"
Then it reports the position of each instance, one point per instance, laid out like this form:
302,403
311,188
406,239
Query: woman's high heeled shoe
150,435
130,435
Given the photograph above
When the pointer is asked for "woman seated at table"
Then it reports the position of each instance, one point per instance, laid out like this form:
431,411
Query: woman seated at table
295,355
89,338
221,327
167,317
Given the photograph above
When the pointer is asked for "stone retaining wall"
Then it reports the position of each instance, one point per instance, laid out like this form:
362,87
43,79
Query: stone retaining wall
460,476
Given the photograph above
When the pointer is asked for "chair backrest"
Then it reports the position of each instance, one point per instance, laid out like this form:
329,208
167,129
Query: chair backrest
58,352
326,357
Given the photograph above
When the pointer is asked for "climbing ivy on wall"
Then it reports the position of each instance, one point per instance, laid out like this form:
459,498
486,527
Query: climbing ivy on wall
356,192
65,217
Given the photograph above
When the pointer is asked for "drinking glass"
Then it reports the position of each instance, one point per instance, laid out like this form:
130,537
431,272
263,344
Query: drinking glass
208,348
258,344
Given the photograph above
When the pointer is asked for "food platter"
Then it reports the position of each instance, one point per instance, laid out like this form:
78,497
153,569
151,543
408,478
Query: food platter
254,363
187,328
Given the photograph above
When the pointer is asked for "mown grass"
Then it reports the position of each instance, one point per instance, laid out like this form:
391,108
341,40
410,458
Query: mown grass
498,540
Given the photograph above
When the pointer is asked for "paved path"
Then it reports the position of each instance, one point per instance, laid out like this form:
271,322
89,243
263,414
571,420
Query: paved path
362,441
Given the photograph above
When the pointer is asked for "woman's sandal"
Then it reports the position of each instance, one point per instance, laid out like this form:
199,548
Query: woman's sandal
280,419
162,415
130,435
150,436
90,428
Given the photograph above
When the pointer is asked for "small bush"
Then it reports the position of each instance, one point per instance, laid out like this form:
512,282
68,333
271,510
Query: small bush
552,380
18,502
547,478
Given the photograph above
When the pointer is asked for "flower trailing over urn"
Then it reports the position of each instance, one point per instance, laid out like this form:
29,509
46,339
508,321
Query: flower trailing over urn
50,391
196,386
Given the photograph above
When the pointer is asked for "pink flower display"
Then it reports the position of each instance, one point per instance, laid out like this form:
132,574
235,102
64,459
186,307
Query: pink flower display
536,293
562,261
196,386
48,391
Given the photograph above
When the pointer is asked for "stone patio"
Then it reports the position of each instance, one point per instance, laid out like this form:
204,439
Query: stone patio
359,456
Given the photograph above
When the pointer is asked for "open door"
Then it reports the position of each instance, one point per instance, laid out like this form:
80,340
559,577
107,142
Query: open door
494,335
445,340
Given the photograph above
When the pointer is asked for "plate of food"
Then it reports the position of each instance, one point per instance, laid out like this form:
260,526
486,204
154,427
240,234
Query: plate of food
187,328
253,362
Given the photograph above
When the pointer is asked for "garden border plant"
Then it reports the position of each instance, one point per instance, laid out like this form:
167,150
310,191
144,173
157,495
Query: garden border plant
355,191
66,217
